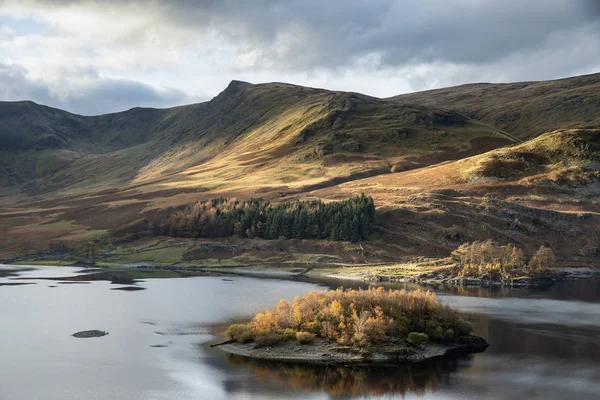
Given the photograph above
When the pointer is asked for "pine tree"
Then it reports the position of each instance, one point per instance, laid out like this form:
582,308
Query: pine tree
220,217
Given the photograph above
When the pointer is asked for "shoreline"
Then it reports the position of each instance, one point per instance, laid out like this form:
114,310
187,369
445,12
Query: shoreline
344,272
558,274
330,353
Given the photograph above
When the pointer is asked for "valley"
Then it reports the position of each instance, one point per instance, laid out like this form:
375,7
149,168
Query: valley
515,163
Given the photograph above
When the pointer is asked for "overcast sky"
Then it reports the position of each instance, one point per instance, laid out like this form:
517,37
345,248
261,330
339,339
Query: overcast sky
94,57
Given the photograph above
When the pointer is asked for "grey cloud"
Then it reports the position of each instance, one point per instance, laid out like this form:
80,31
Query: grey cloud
14,85
492,40
565,54
335,34
103,96
110,95
301,35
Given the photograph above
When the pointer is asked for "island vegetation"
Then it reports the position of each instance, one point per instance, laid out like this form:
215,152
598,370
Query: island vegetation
346,220
362,321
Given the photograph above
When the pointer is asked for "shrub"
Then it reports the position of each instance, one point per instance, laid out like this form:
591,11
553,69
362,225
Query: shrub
464,327
240,333
438,333
417,338
542,260
263,339
245,337
400,327
289,334
305,337
431,327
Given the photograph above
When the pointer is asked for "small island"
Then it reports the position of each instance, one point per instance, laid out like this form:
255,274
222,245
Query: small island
89,334
355,327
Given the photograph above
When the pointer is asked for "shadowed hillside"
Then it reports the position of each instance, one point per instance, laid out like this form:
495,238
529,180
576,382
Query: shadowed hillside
512,162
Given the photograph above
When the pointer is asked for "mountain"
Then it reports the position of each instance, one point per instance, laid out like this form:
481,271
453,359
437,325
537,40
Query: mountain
445,166
57,149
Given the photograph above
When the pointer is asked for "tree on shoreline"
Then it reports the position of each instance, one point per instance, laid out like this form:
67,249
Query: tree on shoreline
508,261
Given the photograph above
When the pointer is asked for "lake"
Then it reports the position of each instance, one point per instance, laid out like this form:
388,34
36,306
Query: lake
544,344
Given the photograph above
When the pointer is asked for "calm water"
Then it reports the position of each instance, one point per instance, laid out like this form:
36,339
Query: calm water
544,344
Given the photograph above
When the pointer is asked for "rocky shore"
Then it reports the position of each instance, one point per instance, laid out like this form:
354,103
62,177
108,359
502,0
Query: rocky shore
434,279
442,277
331,353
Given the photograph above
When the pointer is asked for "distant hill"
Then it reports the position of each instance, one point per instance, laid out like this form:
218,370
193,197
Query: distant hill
444,166
524,109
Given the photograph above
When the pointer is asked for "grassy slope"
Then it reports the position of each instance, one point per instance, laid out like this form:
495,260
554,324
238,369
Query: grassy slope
278,141
542,191
524,109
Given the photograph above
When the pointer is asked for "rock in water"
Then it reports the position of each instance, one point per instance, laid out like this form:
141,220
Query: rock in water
90,334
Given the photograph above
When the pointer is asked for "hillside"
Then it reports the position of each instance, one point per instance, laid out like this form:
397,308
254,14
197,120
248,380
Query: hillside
514,162
525,109
544,191
51,149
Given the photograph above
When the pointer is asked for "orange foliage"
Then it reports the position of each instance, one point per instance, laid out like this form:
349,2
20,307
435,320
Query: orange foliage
356,316
487,258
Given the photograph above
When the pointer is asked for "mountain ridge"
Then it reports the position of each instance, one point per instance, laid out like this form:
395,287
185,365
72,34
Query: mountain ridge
436,154
530,108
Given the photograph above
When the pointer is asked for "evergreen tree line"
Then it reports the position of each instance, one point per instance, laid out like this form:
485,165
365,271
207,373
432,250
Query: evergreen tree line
346,220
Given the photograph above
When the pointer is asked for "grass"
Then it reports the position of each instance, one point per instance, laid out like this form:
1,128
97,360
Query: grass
546,154
159,252
523,109
48,262
214,262
395,269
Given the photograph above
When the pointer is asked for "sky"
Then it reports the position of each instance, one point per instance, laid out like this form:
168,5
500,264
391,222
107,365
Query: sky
93,57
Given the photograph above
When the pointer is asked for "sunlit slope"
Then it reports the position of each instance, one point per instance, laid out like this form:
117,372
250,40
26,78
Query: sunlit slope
553,154
545,190
326,136
278,133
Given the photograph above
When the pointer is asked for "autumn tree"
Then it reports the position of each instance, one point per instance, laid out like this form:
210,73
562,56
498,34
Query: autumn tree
354,317
542,260
505,261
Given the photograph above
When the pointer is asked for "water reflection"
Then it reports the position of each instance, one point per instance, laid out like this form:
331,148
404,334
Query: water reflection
353,381
586,290
545,344
131,277
573,343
